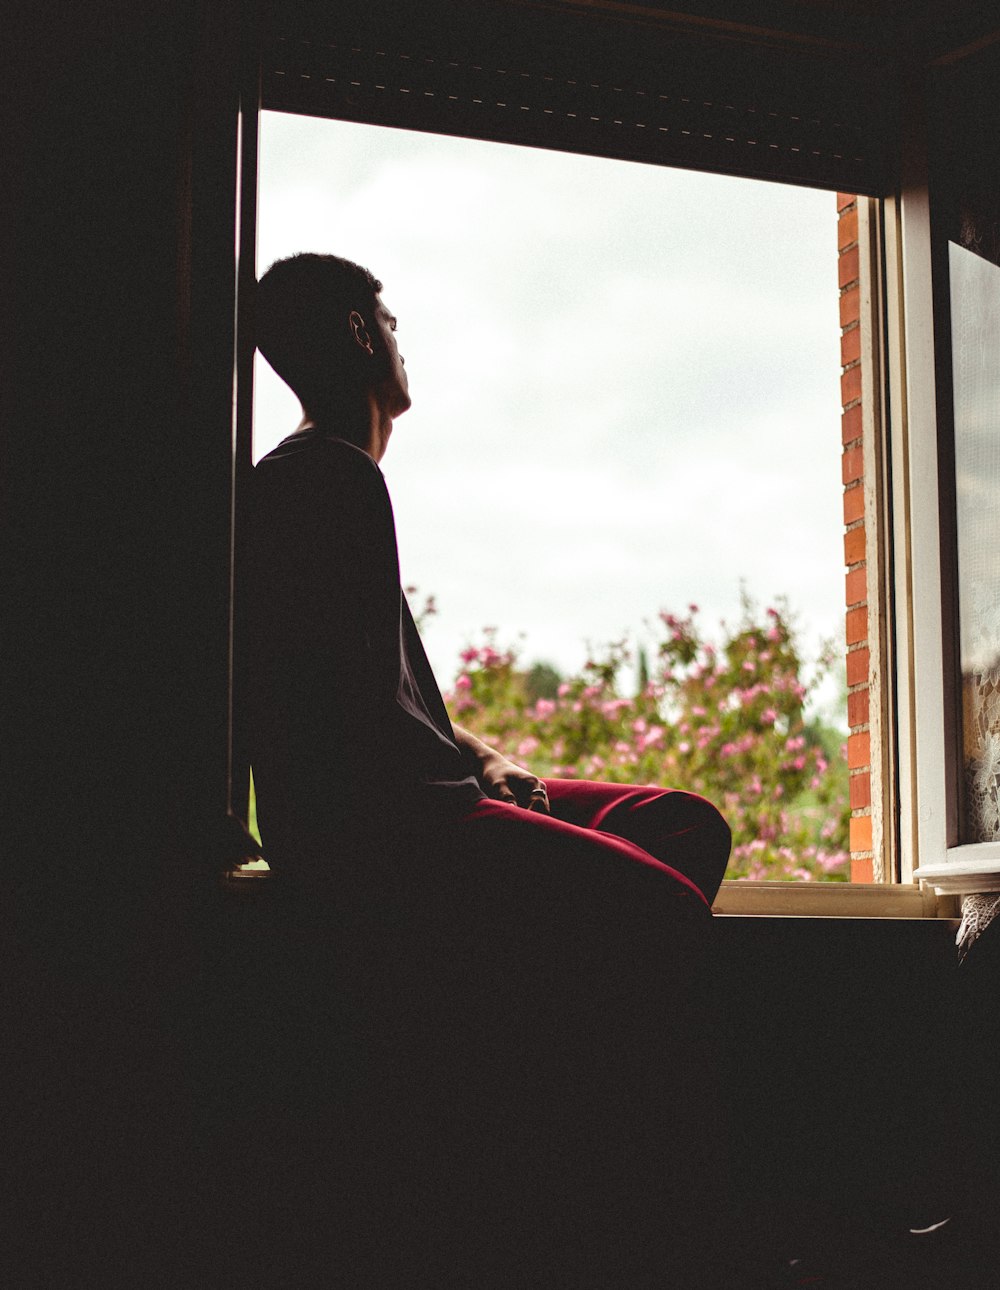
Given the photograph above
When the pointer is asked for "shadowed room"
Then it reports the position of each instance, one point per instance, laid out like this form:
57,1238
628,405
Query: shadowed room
220,1079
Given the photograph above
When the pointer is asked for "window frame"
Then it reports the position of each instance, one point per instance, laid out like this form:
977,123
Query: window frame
904,571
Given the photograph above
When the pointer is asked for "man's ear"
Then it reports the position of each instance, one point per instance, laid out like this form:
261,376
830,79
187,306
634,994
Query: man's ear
360,331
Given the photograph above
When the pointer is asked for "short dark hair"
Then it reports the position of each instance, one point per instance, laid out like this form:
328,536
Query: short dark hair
301,312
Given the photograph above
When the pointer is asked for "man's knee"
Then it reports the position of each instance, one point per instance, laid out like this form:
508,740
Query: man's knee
697,832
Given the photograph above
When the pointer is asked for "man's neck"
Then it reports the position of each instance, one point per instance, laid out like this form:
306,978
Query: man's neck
370,432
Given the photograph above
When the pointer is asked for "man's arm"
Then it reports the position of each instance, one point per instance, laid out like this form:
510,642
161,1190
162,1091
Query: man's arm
500,777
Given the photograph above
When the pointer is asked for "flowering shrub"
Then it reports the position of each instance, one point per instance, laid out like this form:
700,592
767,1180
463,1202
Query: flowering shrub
725,720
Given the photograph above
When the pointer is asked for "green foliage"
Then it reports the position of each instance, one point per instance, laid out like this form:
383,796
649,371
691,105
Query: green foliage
725,720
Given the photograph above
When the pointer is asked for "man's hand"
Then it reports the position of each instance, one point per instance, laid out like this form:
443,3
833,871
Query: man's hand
500,777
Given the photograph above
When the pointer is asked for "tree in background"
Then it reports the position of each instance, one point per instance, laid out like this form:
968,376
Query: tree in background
726,720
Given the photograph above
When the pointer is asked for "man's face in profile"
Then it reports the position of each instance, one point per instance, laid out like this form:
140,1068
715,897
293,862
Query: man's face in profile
394,389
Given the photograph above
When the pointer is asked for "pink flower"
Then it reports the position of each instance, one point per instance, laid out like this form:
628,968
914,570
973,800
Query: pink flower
527,746
692,609
769,716
684,746
544,708
564,689
463,682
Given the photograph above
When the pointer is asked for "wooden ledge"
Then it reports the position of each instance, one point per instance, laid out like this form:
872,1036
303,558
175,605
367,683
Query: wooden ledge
832,900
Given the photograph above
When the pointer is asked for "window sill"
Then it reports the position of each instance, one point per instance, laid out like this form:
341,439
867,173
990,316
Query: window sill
832,900
764,899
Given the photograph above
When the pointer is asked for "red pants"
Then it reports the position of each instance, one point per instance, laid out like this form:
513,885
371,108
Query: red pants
608,834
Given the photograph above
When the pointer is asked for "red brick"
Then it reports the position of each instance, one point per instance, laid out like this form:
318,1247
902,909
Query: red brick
861,833
852,465
850,346
850,385
848,267
847,228
850,306
858,661
858,753
854,504
861,792
851,424
845,199
862,870
857,625
854,545
858,712
856,587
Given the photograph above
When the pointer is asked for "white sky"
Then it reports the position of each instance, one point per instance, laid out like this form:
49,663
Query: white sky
625,380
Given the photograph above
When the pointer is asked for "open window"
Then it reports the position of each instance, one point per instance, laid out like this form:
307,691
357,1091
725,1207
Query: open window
954,223
659,93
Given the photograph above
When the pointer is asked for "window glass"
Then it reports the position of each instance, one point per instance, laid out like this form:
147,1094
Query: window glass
975,326
626,403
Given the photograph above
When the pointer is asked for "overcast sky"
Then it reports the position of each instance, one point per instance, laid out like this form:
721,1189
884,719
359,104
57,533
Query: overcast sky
625,380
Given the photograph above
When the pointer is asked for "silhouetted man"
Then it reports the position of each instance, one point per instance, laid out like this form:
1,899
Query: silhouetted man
358,769
521,952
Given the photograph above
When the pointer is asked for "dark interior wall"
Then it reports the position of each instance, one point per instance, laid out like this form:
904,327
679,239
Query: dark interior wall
118,274
116,435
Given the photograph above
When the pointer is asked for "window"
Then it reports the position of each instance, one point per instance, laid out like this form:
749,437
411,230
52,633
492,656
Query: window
328,90
626,401
954,251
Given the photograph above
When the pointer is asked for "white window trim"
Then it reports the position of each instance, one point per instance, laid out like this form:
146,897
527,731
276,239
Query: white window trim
922,760
928,853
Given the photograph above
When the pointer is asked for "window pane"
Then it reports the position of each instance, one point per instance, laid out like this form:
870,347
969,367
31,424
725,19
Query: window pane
975,314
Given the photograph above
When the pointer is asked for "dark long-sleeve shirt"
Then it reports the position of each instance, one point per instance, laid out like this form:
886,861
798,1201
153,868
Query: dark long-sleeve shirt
350,739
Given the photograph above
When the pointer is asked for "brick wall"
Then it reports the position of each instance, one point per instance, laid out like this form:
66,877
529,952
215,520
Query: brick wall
855,541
